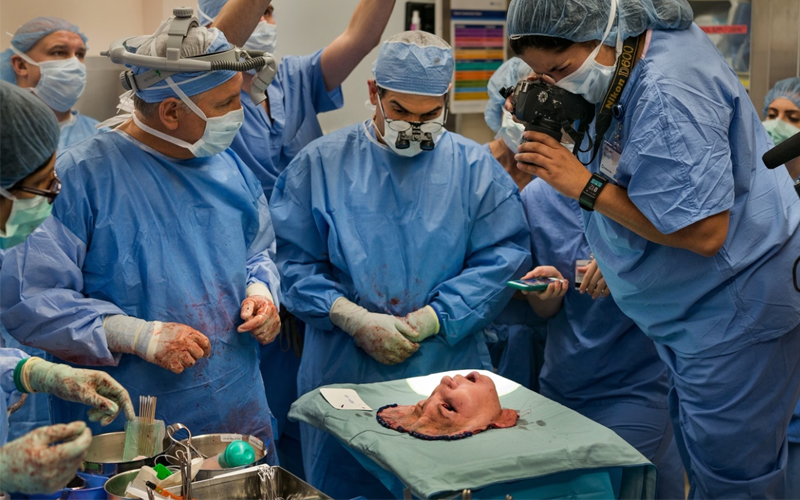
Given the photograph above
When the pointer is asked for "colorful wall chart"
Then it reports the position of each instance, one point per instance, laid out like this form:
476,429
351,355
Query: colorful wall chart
478,33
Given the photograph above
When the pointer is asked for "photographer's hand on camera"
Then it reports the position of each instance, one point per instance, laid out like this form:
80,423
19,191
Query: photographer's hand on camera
545,157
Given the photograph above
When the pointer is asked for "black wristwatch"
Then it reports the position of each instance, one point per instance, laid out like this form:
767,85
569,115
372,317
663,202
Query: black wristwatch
592,191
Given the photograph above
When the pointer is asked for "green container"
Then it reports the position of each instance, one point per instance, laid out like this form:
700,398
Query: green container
237,453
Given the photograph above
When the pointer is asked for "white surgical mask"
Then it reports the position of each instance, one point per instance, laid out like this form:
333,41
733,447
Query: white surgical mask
25,216
61,81
264,38
510,132
592,79
390,136
217,136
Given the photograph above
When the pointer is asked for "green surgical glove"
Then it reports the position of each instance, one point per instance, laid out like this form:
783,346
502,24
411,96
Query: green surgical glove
90,387
31,465
424,321
382,336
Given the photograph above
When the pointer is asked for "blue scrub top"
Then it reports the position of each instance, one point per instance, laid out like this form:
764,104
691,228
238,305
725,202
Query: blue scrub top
138,233
394,234
691,144
296,96
78,128
594,354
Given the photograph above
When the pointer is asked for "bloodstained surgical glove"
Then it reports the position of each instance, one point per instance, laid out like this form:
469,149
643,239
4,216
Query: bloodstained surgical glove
425,323
382,336
90,387
173,346
261,317
31,465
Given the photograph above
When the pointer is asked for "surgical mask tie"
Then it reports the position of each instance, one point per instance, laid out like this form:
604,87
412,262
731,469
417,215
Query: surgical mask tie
411,138
61,82
25,216
217,136
593,79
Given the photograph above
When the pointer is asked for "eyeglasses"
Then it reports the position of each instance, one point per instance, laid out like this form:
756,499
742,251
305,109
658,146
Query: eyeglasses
430,127
50,193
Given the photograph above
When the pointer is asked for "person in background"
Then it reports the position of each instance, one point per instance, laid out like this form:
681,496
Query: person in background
158,259
395,257
596,360
274,132
35,462
508,132
782,116
47,55
516,337
696,239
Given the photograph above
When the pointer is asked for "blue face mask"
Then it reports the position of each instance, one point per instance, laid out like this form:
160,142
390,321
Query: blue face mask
264,38
779,130
61,81
218,135
26,215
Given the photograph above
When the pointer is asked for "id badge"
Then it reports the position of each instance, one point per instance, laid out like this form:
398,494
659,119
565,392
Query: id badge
579,275
610,160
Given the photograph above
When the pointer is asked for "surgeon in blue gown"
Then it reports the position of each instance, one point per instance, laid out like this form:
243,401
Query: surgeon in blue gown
596,360
696,239
47,55
157,265
396,258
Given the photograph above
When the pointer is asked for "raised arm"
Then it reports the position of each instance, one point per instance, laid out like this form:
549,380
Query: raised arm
362,35
238,19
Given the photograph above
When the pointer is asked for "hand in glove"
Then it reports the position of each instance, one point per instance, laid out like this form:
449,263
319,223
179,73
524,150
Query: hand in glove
261,317
90,387
31,465
382,336
173,346
424,321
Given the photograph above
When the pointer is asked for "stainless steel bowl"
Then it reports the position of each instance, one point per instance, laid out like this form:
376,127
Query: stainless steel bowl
115,487
104,457
213,444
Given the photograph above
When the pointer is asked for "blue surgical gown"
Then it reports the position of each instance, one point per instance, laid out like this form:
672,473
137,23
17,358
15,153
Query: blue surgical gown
135,232
691,146
9,358
267,143
596,360
76,129
445,228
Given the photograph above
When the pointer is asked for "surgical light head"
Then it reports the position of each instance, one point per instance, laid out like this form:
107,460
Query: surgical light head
195,59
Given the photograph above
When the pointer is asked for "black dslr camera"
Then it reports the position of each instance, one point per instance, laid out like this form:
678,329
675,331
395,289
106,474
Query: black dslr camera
547,109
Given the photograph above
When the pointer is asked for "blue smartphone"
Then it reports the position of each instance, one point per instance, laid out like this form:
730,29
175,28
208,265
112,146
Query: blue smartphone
534,285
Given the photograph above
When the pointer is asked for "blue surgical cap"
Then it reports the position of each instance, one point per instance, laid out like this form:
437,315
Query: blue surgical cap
27,36
208,10
585,20
198,41
28,133
788,89
414,62
506,75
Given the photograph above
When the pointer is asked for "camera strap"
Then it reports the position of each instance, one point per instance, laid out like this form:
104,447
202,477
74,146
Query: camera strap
630,55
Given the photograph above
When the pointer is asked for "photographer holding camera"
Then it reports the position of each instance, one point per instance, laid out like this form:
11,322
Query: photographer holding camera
696,239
